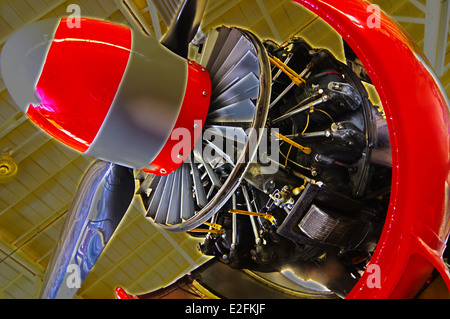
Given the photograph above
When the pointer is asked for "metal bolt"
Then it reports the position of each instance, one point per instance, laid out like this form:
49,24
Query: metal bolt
204,93
180,155
162,171
195,126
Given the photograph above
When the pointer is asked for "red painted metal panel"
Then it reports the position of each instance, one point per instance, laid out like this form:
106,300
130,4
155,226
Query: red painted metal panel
189,125
79,80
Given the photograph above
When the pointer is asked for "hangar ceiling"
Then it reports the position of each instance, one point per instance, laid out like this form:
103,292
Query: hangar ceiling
141,257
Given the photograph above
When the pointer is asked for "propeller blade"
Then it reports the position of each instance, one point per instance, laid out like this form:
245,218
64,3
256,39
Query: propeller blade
184,26
101,201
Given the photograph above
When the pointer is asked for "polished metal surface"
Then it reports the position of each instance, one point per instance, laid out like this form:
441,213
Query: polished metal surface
99,205
187,204
242,111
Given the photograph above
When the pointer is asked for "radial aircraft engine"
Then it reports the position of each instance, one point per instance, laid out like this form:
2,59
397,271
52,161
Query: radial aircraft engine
273,153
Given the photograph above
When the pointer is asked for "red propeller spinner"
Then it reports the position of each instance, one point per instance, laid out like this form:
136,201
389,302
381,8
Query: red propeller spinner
108,91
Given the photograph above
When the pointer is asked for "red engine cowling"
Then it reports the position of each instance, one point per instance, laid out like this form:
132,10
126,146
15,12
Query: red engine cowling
108,91
417,226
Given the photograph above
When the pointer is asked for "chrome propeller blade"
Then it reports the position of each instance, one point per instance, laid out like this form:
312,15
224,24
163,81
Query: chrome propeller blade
101,201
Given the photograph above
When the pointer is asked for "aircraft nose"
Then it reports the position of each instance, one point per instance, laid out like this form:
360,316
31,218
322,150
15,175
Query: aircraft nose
22,59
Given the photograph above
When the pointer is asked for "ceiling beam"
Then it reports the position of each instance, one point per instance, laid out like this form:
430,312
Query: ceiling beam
42,226
166,9
419,5
168,237
31,145
436,33
269,21
409,19
33,189
12,123
217,11
14,254
133,16
40,15
436,23
155,19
